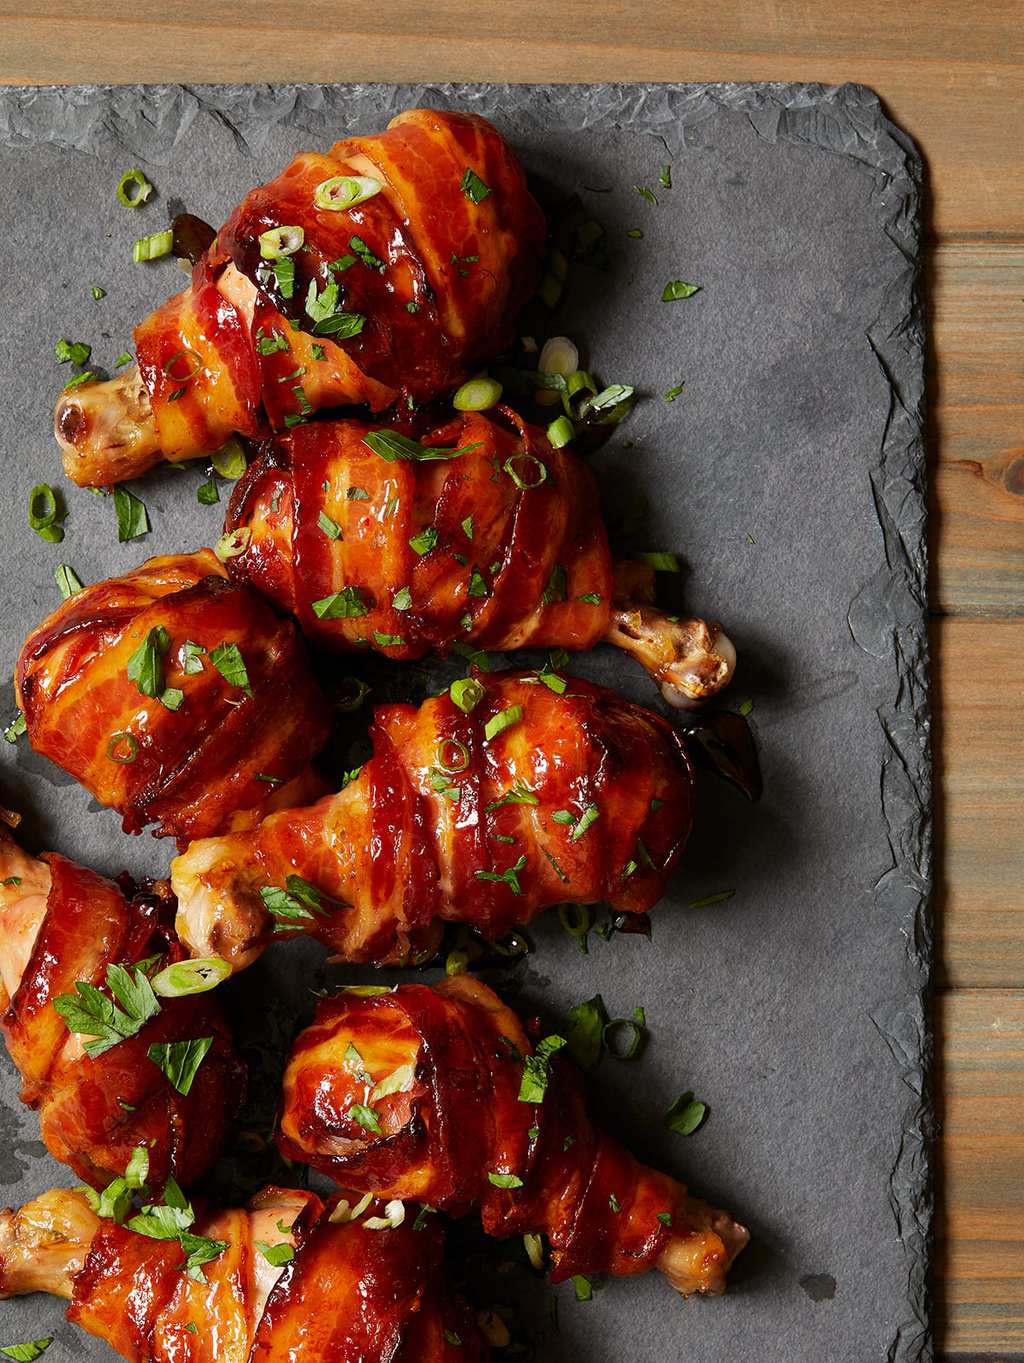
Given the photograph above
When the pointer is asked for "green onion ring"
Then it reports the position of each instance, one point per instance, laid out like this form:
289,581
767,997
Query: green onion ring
615,1029
346,703
510,468
280,241
512,945
190,977
40,519
560,432
477,395
131,747
345,191
577,926
193,368
154,246
142,188
457,764
232,543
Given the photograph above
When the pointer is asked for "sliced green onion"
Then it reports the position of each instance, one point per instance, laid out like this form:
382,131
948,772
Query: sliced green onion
534,1247
685,1115
534,472
71,352
183,366
133,188
229,461
678,288
589,816
233,543
97,292
123,748
343,1213
190,977
400,1081
582,1287
456,962
281,241
476,395
345,191
42,507
394,1215
560,432
612,402
575,919
503,720
452,756
624,1037
154,246
559,356
467,693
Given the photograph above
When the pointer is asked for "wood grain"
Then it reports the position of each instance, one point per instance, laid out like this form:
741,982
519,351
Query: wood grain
975,296
954,79
952,74
980,1225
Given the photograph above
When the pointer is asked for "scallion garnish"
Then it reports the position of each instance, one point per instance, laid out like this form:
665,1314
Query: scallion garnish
364,253
345,191
44,513
154,246
229,460
206,493
674,392
519,793
133,188
710,899
665,177
473,187
678,288
97,292
624,1038
560,432
576,921
122,748
281,241
661,563
477,395
366,1117
190,977
330,527
466,694
125,357
635,232
525,470
647,194
590,598
589,816
509,877
582,1287
503,720
233,543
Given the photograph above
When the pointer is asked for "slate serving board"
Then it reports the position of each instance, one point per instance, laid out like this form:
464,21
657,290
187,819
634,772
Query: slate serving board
789,474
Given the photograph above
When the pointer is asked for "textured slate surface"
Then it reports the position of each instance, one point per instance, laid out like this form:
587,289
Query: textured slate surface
789,475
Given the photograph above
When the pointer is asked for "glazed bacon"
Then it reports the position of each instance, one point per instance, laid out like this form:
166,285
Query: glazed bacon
436,265
456,1134
194,769
60,923
582,796
348,1293
495,541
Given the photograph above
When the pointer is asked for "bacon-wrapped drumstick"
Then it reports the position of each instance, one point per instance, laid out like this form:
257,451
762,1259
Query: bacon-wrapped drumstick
170,693
479,534
63,927
283,1281
511,793
438,1094
380,268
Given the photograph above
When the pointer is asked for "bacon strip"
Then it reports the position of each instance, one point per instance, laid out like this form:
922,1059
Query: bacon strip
459,1124
194,769
94,1112
593,793
502,566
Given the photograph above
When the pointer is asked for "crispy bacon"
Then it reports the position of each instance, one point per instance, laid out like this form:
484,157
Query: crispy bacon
60,923
192,770
349,1293
436,265
457,1135
586,797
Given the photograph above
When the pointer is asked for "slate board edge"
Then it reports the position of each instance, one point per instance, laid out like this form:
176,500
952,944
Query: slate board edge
888,616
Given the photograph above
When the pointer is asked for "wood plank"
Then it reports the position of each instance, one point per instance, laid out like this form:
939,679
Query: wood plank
954,78
980,1222
975,301
980,810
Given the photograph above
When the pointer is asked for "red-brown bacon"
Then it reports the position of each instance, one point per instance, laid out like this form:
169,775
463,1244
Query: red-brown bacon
192,770
589,795
349,1294
457,1128
502,546
437,270
94,1112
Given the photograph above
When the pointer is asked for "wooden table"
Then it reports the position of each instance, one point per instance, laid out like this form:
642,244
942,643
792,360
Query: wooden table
952,73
